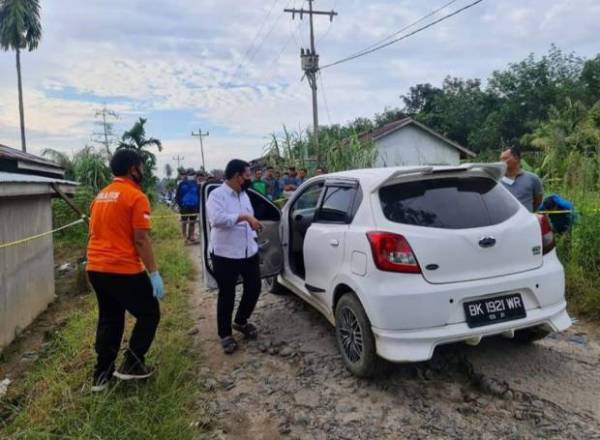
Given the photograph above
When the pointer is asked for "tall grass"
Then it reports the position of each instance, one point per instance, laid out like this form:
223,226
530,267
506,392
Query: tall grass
54,401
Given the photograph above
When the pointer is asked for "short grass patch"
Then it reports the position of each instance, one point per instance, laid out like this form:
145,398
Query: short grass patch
54,399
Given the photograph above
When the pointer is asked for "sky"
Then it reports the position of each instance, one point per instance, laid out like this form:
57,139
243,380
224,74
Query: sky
232,67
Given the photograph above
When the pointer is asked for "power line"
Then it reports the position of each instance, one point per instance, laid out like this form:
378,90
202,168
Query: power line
404,37
405,28
324,97
269,71
324,36
253,49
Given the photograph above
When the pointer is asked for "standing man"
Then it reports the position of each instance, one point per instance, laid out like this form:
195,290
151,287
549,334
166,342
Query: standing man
123,272
525,186
302,173
188,200
272,183
277,188
234,252
258,184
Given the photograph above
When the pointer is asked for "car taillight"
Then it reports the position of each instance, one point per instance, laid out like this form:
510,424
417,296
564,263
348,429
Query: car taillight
392,253
547,234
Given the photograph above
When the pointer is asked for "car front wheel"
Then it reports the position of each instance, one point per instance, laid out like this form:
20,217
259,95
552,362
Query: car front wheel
355,338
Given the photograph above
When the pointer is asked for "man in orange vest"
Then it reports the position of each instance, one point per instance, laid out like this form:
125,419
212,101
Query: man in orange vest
123,272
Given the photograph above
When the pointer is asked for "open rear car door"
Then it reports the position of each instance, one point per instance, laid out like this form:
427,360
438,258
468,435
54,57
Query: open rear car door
269,239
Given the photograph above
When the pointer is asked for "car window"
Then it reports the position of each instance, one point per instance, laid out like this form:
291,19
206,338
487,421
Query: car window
309,198
263,209
338,203
449,203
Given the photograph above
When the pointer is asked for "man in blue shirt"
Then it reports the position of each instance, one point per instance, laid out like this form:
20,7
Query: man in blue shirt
290,181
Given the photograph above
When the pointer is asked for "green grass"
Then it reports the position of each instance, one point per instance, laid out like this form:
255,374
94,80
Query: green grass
54,400
579,251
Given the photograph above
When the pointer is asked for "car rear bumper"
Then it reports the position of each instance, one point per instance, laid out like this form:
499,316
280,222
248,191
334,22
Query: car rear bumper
418,345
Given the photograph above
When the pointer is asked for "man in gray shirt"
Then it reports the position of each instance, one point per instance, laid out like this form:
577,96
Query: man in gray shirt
525,186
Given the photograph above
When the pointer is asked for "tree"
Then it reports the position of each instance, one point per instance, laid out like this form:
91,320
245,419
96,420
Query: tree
420,98
63,160
87,166
590,76
20,28
168,170
136,139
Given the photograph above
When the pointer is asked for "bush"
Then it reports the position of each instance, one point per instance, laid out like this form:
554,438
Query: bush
63,214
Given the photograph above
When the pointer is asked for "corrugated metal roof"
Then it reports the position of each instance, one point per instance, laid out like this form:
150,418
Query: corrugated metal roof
29,178
11,153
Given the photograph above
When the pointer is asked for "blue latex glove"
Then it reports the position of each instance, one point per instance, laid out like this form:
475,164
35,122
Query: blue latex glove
158,287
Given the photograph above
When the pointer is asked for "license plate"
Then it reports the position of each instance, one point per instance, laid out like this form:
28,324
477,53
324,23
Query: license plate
494,310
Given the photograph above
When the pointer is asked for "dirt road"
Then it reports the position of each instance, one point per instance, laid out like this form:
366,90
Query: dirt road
291,384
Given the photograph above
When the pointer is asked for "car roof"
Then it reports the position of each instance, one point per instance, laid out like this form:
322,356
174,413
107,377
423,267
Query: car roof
372,179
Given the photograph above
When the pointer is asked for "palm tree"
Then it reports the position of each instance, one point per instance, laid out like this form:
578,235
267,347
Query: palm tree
62,159
136,139
168,170
20,28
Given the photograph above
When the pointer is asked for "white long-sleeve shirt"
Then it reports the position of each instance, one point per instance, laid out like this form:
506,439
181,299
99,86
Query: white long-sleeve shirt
228,237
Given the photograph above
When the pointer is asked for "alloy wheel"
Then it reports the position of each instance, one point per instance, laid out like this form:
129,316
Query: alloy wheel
351,335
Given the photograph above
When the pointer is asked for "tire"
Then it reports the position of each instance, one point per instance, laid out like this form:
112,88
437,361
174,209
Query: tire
274,287
355,339
529,335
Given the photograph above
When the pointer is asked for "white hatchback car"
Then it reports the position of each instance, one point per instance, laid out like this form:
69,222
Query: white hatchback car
401,260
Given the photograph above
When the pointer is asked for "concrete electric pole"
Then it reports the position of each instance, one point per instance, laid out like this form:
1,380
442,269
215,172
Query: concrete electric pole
201,135
310,64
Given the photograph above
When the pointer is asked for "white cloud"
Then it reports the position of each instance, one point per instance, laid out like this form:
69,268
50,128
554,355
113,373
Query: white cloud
182,55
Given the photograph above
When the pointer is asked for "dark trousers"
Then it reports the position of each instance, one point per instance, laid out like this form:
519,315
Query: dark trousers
227,272
117,294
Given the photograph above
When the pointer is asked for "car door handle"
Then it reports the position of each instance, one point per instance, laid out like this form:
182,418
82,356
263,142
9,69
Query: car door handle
333,242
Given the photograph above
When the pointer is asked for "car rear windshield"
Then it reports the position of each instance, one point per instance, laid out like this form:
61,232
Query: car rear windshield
449,203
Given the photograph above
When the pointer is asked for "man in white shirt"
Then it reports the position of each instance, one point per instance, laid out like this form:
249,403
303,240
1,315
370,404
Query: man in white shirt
234,252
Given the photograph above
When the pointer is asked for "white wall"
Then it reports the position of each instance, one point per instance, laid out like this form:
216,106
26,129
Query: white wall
26,270
412,146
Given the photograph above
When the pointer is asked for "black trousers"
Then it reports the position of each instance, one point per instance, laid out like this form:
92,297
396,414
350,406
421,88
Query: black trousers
227,272
116,294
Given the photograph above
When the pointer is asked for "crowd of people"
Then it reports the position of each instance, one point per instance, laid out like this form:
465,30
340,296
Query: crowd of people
268,181
275,184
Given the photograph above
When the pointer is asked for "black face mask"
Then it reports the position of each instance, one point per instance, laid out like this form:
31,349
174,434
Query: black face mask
139,177
247,184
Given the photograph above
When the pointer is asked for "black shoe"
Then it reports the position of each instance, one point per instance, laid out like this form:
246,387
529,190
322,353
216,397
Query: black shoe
133,370
101,381
229,345
248,330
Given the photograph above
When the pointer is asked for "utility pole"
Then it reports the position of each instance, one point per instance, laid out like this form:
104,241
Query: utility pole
178,158
310,64
201,135
106,136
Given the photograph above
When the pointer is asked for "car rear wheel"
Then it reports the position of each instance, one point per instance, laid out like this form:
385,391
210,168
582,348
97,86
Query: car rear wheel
355,338
274,287
529,335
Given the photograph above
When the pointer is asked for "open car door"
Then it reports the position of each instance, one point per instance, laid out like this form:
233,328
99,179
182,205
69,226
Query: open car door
269,239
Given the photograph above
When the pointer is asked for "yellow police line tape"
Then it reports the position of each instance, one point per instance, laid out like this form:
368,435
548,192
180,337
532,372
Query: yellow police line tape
81,220
43,234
